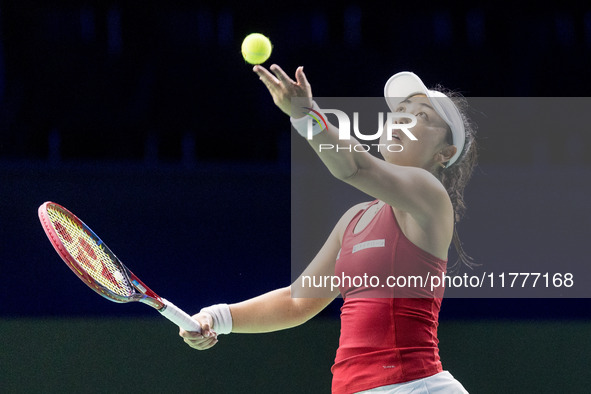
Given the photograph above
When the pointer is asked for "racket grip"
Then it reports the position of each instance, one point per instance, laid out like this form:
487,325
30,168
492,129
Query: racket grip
179,317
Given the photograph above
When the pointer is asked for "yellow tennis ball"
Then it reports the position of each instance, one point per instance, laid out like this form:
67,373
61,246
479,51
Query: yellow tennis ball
256,48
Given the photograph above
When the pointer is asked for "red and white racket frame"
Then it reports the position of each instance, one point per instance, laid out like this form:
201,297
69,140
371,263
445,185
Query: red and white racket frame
142,292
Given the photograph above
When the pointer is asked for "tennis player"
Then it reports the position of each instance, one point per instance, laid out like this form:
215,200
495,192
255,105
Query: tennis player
387,344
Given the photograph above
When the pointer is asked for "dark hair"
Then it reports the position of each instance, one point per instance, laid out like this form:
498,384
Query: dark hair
455,177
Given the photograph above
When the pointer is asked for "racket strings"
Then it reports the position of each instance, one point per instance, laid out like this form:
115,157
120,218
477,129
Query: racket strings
90,253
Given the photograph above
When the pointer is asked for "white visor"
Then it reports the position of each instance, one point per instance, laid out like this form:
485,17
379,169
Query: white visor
405,84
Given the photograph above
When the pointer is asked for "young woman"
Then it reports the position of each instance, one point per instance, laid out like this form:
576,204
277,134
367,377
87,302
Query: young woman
387,345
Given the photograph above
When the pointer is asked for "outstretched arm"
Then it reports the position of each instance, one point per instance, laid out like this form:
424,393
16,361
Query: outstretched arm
410,189
278,309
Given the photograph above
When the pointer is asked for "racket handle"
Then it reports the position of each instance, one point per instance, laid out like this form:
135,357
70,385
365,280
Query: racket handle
179,317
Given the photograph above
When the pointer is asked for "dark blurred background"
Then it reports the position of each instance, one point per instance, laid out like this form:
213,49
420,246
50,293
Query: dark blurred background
143,119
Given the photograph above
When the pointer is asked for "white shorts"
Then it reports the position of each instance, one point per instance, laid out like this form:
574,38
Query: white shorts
440,383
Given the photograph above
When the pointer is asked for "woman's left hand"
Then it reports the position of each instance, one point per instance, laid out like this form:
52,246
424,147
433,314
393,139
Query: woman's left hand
283,88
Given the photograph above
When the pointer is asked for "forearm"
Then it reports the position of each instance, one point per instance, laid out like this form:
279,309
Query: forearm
340,156
273,311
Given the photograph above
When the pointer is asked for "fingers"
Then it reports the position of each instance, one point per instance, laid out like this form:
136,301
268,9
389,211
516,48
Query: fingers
301,77
281,75
270,81
279,78
282,87
201,342
204,340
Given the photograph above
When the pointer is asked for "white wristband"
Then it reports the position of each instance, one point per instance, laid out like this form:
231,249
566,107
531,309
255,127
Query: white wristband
310,124
222,318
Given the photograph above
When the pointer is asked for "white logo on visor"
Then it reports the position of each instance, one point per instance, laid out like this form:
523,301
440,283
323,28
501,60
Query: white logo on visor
376,243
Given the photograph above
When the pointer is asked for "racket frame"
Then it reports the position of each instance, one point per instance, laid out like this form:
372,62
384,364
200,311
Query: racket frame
142,293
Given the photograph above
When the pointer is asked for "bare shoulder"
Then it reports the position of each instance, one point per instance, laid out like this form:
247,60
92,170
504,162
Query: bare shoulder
348,216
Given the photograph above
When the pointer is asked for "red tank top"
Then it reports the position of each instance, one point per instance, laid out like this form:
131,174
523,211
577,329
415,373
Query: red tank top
388,334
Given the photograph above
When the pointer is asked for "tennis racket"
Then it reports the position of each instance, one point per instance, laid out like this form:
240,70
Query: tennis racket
93,262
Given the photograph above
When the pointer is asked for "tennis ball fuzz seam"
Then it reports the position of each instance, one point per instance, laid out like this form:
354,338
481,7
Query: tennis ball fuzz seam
256,48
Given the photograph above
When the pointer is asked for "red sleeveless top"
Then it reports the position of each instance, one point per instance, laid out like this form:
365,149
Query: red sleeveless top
388,333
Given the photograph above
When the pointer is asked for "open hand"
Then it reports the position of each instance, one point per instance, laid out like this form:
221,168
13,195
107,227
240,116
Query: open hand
283,88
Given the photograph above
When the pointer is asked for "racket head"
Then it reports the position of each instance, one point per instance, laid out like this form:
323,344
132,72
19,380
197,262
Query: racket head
91,259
